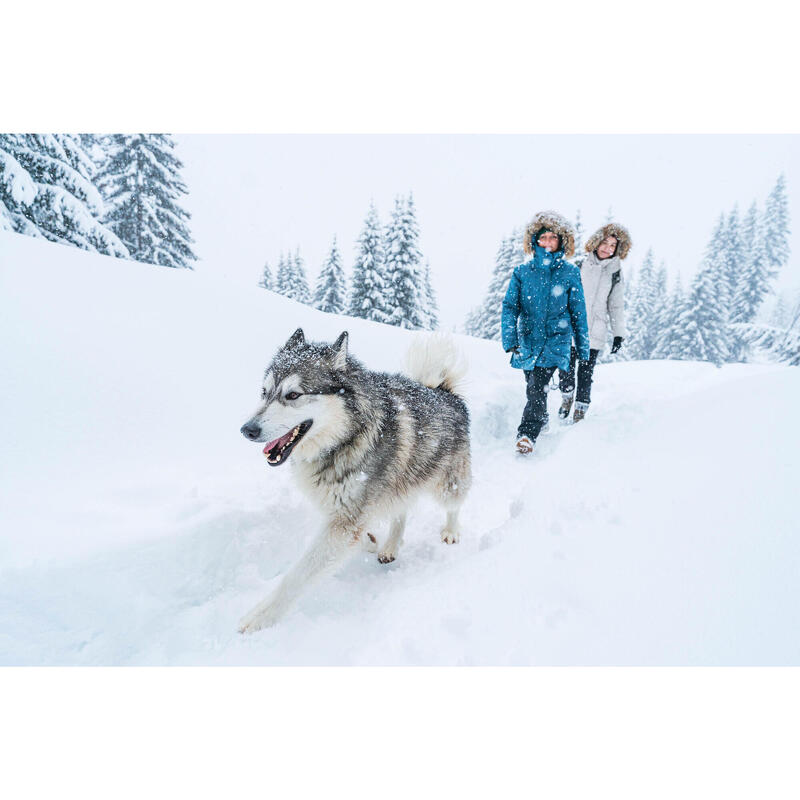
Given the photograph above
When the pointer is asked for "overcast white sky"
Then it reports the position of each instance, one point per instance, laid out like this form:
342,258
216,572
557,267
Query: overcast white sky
252,196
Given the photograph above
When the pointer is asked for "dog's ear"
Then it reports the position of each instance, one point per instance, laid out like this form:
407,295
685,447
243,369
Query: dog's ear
295,340
339,350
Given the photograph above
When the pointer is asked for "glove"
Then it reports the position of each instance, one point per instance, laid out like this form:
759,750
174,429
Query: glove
618,340
514,350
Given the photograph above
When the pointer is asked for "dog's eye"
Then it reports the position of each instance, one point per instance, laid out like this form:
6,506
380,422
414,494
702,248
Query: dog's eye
292,395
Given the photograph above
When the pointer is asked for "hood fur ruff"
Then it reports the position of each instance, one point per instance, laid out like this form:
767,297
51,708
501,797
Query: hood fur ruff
616,230
556,223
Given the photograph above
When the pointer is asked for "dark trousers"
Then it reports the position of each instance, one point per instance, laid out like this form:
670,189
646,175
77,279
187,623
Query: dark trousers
535,411
566,380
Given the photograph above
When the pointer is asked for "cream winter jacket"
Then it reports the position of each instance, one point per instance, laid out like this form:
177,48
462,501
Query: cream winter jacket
603,285
603,288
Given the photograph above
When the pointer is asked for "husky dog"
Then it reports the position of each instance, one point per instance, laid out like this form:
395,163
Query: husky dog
363,444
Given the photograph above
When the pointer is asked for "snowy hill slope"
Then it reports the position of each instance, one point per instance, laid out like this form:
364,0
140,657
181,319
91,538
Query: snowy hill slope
137,525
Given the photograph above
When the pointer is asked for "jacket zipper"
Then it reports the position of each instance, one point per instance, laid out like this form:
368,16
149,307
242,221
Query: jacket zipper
596,293
550,271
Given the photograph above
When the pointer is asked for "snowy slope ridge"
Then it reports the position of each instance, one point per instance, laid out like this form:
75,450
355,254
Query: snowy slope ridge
137,525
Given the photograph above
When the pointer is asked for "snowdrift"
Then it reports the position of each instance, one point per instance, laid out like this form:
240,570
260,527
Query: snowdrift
137,525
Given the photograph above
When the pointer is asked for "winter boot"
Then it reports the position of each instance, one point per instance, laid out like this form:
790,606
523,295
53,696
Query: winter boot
524,446
580,411
566,405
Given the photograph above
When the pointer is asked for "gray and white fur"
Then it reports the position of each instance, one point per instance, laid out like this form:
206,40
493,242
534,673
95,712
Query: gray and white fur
363,444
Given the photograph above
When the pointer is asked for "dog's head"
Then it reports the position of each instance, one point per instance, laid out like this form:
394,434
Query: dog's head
303,399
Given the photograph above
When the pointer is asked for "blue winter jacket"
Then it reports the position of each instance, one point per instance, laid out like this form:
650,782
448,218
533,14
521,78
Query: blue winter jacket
543,309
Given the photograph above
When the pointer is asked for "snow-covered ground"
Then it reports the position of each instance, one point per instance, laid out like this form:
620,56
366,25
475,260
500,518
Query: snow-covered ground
137,525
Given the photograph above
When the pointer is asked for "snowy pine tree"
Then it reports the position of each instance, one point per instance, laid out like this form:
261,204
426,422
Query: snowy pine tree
484,321
290,279
779,316
753,281
405,280
93,145
281,275
668,324
431,307
472,323
736,255
721,261
577,259
368,294
776,226
717,258
783,344
661,311
140,180
703,326
266,281
285,278
299,290
47,190
391,243
330,291
17,192
643,336
755,276
683,347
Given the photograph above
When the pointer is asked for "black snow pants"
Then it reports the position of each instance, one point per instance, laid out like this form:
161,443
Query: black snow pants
566,380
535,412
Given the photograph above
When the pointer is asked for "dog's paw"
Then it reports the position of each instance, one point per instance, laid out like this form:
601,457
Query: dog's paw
258,619
386,558
249,626
450,536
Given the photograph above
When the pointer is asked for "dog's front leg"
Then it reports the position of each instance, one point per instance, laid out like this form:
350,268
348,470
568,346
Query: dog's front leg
326,552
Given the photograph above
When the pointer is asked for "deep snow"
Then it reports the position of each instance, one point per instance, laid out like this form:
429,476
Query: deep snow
137,524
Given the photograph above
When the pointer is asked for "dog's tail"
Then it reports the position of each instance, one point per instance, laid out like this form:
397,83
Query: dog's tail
434,360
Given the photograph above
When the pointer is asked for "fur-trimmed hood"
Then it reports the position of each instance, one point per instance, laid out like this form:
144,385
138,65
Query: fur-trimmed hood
619,232
557,224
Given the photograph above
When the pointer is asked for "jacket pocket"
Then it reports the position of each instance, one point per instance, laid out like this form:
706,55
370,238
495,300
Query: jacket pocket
559,327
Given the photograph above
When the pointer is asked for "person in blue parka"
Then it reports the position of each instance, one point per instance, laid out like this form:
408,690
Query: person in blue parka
543,311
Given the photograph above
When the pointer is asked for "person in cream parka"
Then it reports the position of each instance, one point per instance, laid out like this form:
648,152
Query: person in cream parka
603,290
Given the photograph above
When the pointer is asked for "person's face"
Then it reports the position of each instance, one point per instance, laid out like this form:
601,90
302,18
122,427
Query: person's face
607,247
549,241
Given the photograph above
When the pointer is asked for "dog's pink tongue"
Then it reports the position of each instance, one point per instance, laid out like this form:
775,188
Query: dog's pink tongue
279,441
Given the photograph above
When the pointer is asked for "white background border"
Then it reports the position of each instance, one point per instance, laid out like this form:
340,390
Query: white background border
368,67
